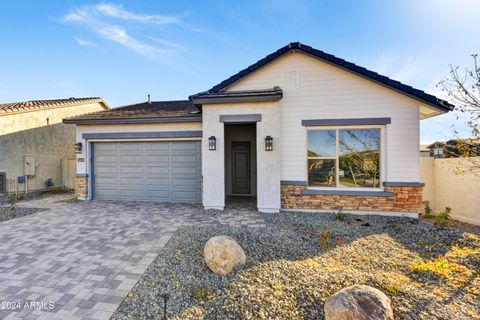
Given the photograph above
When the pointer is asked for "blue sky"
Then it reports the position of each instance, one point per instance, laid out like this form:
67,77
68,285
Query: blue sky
123,50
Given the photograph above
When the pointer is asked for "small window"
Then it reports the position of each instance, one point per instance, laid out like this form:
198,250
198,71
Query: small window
344,158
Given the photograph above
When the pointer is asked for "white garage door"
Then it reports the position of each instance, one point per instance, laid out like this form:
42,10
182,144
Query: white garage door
157,171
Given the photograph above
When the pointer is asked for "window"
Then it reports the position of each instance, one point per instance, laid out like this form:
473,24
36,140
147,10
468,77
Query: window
355,152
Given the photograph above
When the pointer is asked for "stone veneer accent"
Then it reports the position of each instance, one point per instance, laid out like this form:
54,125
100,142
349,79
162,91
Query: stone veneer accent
81,186
404,199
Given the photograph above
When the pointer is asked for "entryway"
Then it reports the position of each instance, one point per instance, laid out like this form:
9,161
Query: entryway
240,160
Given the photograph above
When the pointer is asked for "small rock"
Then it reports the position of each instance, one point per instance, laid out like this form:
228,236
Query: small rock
223,254
358,302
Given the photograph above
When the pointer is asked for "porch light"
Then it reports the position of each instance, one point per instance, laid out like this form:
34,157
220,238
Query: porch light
268,143
78,147
212,143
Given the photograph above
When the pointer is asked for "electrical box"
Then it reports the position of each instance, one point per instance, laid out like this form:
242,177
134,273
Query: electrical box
29,165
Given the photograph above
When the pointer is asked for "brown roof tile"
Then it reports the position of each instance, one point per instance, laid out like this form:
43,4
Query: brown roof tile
155,111
26,106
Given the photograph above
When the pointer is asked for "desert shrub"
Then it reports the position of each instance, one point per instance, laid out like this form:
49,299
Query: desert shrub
427,211
325,238
12,202
443,216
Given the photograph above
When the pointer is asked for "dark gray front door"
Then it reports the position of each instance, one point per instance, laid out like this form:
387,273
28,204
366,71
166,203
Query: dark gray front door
157,171
241,182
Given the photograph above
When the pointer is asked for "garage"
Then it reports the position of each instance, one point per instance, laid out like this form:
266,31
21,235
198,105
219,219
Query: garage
167,171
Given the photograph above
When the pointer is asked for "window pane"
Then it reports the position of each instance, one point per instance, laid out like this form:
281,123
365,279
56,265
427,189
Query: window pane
359,151
321,172
321,143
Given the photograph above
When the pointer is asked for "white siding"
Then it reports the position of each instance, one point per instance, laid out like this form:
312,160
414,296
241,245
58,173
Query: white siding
327,92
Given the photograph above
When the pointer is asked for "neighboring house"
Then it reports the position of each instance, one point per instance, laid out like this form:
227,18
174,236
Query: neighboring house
424,151
455,148
34,141
299,129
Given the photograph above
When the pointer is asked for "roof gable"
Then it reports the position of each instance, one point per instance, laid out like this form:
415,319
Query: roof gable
397,86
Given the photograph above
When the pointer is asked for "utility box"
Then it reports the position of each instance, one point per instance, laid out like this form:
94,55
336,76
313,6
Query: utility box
29,165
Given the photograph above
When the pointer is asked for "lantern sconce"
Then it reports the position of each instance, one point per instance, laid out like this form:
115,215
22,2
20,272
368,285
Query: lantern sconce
212,143
78,147
268,143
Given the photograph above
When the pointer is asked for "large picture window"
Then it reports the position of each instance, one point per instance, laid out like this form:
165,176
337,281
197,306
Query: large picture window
344,158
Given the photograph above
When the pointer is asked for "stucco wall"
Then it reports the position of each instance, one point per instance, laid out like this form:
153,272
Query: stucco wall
317,90
27,134
447,185
268,166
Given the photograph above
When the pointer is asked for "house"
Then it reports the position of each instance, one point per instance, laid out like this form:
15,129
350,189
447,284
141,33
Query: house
424,151
299,129
34,141
455,148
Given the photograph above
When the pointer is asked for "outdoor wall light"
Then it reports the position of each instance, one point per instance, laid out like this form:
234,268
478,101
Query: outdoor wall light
212,143
78,147
268,143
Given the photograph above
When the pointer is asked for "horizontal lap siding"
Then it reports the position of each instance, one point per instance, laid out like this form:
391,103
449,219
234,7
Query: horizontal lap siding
327,92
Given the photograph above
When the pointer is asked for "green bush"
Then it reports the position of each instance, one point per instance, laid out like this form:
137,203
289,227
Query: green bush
427,211
12,202
444,215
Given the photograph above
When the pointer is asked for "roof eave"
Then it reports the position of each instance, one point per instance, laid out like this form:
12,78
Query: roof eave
133,120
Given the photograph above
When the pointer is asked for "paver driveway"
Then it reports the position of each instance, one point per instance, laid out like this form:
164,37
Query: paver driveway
85,257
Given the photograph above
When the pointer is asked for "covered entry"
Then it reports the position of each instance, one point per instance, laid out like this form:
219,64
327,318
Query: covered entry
167,171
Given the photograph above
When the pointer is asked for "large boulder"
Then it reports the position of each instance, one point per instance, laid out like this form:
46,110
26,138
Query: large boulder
223,254
358,303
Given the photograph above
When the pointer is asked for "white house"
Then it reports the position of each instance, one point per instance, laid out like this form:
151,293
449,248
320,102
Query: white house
299,129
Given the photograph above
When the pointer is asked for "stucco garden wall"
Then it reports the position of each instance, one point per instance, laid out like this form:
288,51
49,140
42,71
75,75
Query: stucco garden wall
27,133
448,184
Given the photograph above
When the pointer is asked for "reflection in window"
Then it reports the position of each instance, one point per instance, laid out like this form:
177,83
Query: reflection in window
321,172
359,155
356,154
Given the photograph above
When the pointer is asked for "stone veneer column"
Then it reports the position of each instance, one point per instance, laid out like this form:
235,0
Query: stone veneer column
81,187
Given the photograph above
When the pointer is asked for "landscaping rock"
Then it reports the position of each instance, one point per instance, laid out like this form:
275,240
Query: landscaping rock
223,254
358,303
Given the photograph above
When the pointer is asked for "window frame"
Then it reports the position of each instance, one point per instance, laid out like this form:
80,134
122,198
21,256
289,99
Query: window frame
337,156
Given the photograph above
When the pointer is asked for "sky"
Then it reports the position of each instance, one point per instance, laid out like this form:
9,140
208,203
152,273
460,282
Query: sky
124,50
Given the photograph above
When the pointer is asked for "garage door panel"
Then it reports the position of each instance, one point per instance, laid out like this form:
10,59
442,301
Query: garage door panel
188,196
184,182
184,159
152,170
159,171
157,159
153,183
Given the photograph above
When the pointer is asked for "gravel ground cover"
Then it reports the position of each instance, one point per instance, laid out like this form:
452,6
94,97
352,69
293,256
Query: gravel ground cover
7,214
299,259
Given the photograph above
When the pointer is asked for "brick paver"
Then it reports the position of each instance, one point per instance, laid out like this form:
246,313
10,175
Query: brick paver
85,257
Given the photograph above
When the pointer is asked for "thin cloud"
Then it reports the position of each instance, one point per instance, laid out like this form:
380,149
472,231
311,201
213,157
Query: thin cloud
99,19
120,36
84,43
117,11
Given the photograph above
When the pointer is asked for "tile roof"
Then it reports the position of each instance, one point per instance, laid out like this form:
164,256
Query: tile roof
145,112
429,99
271,94
34,105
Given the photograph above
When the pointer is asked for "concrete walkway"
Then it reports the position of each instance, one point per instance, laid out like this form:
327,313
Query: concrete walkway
80,260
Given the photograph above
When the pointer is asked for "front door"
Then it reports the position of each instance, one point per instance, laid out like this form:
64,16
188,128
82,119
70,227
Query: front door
241,183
